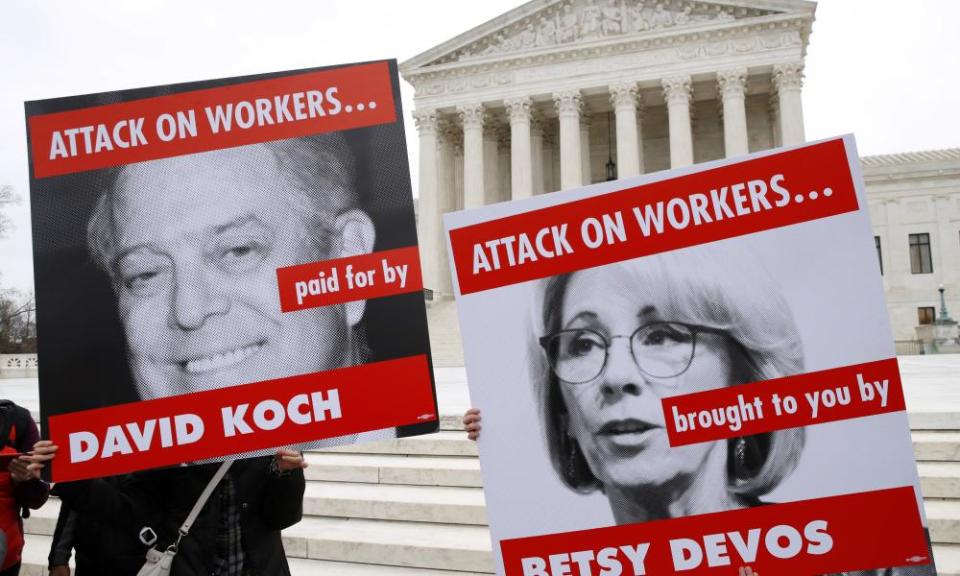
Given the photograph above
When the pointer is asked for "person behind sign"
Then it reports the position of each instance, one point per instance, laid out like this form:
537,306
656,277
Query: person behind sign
610,342
192,245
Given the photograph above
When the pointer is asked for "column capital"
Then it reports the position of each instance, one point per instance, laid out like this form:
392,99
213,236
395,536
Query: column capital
519,108
426,120
449,134
732,82
568,102
677,89
472,115
624,95
788,76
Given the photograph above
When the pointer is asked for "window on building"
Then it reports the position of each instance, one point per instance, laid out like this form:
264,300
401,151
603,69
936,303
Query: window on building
920,262
876,240
925,315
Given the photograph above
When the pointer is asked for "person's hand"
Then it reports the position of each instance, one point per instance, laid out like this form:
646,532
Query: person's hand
20,471
747,571
288,460
43,452
471,421
62,570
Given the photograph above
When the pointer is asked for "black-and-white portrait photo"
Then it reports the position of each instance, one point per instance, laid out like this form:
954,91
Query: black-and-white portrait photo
617,339
159,278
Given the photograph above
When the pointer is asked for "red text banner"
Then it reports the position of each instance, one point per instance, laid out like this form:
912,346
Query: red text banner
764,193
827,535
233,420
374,275
814,398
286,107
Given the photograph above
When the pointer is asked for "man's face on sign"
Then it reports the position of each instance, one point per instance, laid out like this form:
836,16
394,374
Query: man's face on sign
198,241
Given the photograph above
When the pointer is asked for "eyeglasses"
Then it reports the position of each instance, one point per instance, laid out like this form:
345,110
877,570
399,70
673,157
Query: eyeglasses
659,349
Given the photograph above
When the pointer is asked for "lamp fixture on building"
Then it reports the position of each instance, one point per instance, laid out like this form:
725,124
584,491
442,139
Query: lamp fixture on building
944,315
611,165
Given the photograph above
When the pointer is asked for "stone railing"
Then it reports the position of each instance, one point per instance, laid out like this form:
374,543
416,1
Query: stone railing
18,365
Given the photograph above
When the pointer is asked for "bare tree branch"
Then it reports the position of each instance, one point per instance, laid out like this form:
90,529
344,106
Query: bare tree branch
7,197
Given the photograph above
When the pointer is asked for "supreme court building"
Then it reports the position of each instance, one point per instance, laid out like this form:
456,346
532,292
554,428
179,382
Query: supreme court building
559,93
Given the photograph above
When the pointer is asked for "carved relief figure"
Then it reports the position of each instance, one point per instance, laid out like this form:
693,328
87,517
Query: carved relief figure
591,19
662,18
612,18
567,31
528,38
639,18
547,33
684,17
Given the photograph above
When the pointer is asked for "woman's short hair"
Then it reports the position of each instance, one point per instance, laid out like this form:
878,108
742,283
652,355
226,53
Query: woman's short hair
720,285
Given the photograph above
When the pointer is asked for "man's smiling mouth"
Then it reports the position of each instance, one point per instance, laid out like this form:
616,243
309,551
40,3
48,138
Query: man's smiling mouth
220,360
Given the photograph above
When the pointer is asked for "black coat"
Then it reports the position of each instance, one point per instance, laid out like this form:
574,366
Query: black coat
162,499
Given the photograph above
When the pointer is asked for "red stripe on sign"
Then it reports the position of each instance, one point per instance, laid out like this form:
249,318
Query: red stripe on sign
758,194
211,119
813,398
237,419
363,277
826,535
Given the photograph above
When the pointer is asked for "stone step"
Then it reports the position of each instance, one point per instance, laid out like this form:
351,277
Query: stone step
37,547
939,479
933,420
443,504
395,469
937,446
391,543
947,557
943,516
443,443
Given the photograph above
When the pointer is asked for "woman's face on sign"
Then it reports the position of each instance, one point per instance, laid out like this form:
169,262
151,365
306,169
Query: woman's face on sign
617,417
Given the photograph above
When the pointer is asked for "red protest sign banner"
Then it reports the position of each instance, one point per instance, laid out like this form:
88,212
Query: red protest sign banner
805,399
197,121
245,418
347,279
758,194
827,535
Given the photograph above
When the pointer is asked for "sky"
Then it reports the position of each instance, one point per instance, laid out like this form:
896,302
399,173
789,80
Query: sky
882,69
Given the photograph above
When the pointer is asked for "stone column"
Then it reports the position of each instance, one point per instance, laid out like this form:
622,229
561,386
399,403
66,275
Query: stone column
432,247
504,168
678,94
536,153
623,98
773,109
549,145
491,158
788,80
732,85
472,116
585,149
448,198
569,104
521,178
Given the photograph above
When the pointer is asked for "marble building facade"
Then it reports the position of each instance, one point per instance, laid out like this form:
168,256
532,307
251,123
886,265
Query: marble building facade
545,96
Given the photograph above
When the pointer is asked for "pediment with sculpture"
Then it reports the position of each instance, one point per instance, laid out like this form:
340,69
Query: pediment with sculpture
575,21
